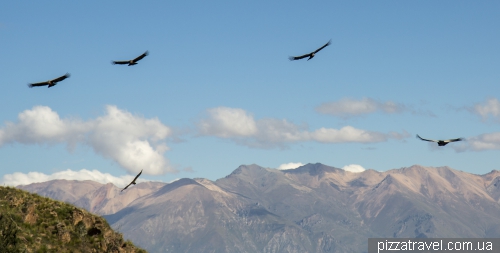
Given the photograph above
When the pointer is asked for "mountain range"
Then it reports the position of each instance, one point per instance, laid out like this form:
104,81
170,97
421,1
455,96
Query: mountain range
314,208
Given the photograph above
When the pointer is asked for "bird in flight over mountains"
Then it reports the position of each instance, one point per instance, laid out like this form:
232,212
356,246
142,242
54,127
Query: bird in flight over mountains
441,142
132,62
50,83
133,181
310,55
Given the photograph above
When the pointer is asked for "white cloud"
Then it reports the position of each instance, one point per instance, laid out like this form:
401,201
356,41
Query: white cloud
19,178
490,107
348,107
347,134
489,141
133,142
355,168
42,125
289,166
273,131
225,122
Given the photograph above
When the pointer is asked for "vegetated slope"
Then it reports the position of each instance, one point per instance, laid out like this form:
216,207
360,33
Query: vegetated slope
31,223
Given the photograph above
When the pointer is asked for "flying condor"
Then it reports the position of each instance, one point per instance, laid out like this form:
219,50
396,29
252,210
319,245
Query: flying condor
133,181
131,62
310,55
50,83
441,142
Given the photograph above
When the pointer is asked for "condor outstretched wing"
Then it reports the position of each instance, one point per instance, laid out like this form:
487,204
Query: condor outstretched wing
135,178
133,181
120,62
453,140
327,44
126,187
60,78
418,136
292,58
141,56
31,85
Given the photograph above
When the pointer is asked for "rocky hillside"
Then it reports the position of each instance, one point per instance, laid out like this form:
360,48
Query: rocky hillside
30,223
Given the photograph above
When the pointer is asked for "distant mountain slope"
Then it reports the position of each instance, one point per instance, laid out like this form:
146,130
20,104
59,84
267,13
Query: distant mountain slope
30,223
314,208
94,197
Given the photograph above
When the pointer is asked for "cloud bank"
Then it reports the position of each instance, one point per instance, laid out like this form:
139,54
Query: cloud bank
482,142
133,142
19,178
241,127
227,122
488,109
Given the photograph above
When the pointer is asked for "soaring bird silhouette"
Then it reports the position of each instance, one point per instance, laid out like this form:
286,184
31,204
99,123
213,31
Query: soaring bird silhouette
131,62
310,55
133,181
50,83
441,142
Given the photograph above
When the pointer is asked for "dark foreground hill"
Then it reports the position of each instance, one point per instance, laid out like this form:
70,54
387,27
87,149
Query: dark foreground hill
30,223
314,208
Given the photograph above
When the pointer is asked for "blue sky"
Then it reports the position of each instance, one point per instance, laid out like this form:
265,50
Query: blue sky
217,89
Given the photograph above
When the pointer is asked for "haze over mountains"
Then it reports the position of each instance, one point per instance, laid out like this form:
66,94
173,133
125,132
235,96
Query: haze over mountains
314,208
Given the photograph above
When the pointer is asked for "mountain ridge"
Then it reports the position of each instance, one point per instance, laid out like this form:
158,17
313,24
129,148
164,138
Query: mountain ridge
314,208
